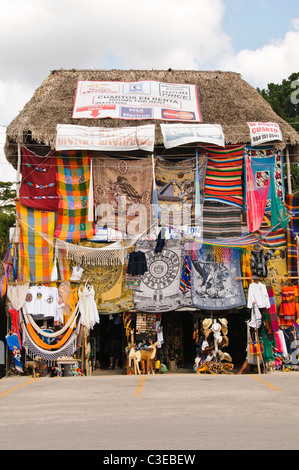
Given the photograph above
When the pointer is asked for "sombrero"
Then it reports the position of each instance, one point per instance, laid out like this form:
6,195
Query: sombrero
207,322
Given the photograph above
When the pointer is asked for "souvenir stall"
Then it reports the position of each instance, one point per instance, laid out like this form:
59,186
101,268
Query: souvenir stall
140,257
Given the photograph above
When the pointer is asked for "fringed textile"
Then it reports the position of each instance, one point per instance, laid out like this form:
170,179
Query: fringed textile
292,206
289,307
73,181
221,220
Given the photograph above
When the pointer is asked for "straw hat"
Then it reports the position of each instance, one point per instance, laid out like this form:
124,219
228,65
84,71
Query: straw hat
216,327
207,322
207,332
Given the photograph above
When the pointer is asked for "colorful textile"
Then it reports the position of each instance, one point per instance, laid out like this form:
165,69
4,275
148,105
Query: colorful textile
224,175
179,186
214,280
185,282
221,220
256,197
259,260
159,289
292,206
289,307
36,243
266,162
73,180
122,193
279,214
14,346
38,186
271,318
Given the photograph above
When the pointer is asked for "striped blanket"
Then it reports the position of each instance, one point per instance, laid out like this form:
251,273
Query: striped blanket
292,207
36,243
289,307
221,220
73,180
224,175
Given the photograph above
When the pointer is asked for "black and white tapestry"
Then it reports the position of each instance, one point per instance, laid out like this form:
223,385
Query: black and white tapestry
214,280
159,289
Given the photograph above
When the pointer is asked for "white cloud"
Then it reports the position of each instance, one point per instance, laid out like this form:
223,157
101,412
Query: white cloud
271,63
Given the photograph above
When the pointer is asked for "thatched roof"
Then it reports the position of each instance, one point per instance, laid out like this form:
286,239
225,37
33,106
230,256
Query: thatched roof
225,98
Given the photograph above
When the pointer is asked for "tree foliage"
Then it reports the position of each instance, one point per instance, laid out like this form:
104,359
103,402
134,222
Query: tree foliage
7,214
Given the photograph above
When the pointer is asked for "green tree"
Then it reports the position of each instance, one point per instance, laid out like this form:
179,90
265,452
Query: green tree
284,99
7,214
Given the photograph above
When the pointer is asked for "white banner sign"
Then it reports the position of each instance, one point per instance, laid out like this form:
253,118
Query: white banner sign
262,132
136,100
180,134
70,137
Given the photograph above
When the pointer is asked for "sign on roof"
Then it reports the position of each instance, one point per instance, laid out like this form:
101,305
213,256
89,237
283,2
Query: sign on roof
180,134
70,137
137,100
263,132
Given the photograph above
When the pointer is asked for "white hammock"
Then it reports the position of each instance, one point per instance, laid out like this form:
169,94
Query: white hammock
70,322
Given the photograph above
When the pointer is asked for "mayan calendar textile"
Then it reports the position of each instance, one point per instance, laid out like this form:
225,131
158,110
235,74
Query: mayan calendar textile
123,192
73,180
109,283
36,243
221,220
224,175
159,289
266,163
176,188
38,186
213,278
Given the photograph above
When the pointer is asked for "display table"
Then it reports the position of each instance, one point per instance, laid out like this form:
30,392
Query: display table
66,364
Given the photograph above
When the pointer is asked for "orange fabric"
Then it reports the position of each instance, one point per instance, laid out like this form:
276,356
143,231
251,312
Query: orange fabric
39,342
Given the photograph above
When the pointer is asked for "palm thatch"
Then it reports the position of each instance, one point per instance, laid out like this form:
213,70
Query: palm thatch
225,98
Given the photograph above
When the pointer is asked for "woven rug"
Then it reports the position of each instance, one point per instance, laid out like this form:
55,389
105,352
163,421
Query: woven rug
224,175
176,188
38,186
73,180
213,279
266,162
123,192
159,289
221,220
35,252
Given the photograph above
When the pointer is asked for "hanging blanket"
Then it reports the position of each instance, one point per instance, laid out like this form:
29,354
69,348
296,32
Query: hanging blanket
292,206
214,283
221,220
256,197
38,186
176,188
159,289
36,244
122,193
266,162
109,282
224,175
73,180
271,318
289,307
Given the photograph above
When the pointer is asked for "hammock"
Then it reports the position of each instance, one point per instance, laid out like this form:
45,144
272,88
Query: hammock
71,321
108,255
50,357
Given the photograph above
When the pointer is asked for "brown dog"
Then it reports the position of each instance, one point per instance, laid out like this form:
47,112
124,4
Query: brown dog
33,365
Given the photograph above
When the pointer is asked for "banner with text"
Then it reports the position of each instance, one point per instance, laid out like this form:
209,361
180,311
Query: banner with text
71,137
180,134
137,100
263,132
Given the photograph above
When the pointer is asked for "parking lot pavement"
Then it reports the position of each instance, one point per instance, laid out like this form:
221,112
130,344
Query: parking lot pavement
169,411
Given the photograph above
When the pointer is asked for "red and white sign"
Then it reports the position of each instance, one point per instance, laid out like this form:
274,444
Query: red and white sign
137,100
262,132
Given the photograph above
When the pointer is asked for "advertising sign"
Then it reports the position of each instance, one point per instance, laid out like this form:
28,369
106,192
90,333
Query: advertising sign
263,132
136,100
180,134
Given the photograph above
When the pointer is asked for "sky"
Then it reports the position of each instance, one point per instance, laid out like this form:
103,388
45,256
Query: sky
257,38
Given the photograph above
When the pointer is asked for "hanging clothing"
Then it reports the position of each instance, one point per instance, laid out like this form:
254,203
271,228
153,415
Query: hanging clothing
259,259
87,307
137,264
42,301
160,241
258,295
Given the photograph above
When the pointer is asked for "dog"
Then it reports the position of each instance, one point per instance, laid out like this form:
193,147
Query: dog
33,365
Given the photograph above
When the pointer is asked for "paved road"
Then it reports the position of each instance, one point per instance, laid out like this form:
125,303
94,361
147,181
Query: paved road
155,412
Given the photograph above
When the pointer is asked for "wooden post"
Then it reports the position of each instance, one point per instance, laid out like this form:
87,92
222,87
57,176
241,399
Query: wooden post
288,171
